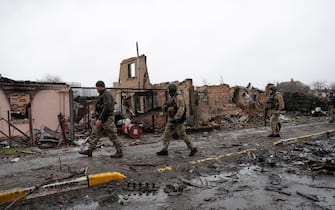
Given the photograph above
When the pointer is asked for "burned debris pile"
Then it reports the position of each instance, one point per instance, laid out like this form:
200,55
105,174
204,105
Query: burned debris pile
305,104
311,157
44,138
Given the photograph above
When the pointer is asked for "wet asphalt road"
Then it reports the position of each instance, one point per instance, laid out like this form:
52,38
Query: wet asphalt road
222,189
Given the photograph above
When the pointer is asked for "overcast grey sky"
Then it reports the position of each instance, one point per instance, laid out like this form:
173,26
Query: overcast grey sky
234,41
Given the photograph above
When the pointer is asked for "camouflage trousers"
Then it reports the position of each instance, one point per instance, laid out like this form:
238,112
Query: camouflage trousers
180,130
108,129
251,113
274,123
331,113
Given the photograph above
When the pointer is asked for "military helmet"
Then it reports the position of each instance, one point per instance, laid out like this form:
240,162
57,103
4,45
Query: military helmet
273,88
100,84
172,87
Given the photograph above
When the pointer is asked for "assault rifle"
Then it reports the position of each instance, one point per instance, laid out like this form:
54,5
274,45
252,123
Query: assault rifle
265,116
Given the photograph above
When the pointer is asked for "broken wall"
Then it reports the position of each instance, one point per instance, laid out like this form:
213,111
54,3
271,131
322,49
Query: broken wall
136,96
222,101
47,100
203,103
46,105
213,101
133,73
4,107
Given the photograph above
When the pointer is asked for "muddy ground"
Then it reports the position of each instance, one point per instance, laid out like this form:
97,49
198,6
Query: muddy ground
247,172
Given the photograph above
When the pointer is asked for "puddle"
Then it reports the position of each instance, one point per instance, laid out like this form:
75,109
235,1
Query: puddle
249,188
143,200
246,173
158,196
253,188
88,206
130,200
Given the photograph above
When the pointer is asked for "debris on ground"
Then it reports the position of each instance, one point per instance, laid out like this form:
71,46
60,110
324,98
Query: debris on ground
290,176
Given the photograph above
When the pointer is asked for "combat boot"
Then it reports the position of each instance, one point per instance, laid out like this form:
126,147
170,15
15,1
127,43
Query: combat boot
193,151
162,153
86,152
118,154
279,126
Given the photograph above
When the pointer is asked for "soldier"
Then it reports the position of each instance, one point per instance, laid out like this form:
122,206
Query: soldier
274,105
331,107
252,102
176,110
104,124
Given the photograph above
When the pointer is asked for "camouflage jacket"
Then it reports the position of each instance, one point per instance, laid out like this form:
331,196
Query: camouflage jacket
275,102
104,106
331,101
176,107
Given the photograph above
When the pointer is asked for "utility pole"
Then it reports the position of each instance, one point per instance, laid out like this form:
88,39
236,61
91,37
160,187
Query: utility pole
138,67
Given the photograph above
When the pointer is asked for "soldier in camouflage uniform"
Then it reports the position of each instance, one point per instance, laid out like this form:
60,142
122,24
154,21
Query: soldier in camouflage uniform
274,105
104,124
331,107
176,110
251,109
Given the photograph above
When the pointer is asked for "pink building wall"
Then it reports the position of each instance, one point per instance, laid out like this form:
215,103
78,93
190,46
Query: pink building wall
45,106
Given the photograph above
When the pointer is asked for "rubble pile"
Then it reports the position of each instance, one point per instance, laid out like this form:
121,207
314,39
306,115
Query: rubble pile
44,138
310,157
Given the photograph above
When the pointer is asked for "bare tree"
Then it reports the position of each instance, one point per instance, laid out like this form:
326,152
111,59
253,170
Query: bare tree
319,85
332,86
50,78
204,81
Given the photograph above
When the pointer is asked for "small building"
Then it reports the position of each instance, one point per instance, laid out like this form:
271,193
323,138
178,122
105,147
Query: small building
46,100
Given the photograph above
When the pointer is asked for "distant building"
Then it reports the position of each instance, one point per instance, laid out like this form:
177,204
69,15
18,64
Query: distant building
293,87
78,90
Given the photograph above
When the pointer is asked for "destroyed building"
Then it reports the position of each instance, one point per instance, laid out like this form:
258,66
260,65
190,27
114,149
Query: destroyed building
143,101
135,98
41,102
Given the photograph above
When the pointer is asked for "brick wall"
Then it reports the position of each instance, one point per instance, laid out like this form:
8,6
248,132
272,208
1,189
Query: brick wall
203,103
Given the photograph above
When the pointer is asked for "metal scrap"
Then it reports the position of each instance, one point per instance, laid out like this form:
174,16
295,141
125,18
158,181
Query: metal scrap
308,196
